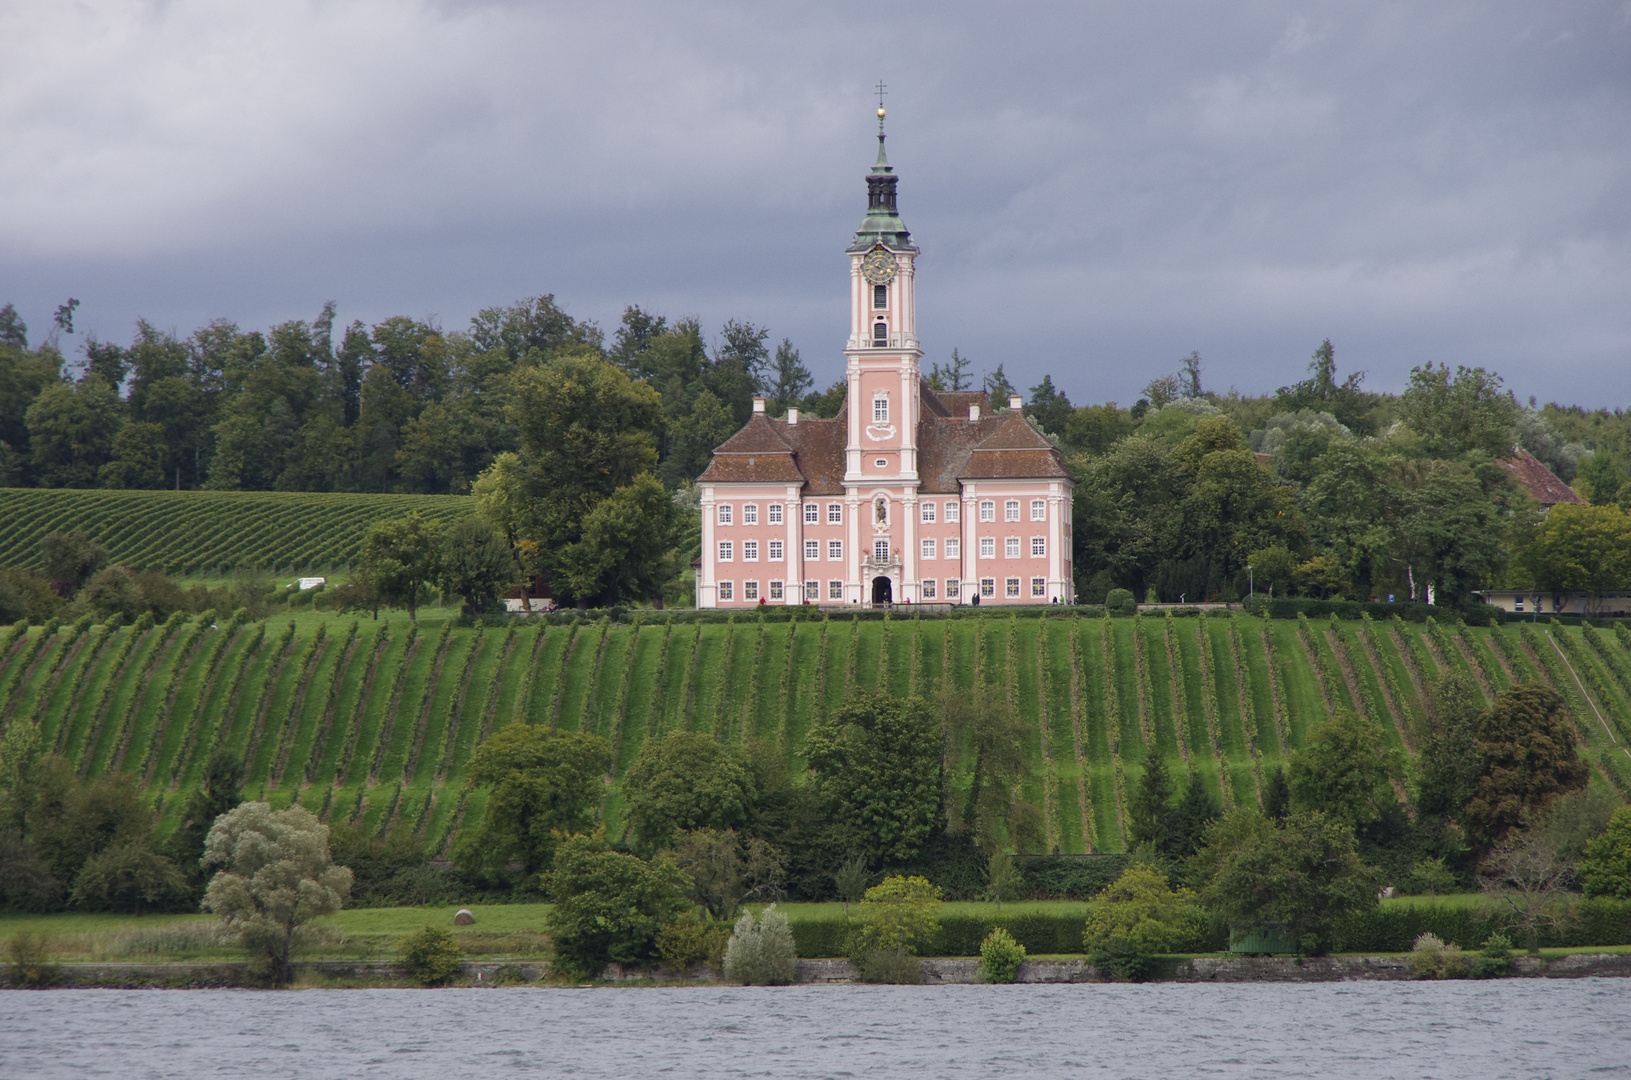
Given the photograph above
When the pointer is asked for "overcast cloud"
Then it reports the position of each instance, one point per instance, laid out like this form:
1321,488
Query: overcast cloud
1098,188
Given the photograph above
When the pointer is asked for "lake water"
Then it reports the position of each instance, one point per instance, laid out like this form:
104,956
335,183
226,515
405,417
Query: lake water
1520,1028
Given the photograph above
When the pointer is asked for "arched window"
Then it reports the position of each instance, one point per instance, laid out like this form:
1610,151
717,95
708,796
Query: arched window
880,296
880,334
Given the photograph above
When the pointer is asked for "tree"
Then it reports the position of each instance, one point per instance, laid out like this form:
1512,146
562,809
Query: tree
1149,815
1449,763
1322,393
1302,872
625,541
543,783
1529,758
1194,812
139,456
400,560
725,868
993,755
129,876
876,764
762,951
1002,878
789,379
998,388
1049,407
1342,771
71,558
1530,874
609,906
276,876
684,781
71,427
96,837
1455,414
475,564
1277,795
1580,549
220,790
1133,917
431,956
899,914
113,591
1606,869
952,377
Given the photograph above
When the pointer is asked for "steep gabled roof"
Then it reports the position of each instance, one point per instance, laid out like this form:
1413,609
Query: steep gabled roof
1539,482
756,454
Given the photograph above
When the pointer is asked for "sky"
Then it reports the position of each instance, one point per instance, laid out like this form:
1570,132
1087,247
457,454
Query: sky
1098,188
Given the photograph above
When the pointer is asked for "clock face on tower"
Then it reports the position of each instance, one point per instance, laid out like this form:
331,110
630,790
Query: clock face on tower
879,266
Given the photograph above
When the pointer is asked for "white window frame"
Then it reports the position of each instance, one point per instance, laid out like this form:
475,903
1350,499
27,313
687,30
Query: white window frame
1010,510
1010,587
812,591
724,516
750,513
880,408
880,551
835,589
812,513
812,550
1010,547
726,590
988,547
926,513
1039,509
954,548
750,551
773,513
750,590
835,513
1039,587
928,548
954,513
928,589
954,588
988,510
775,552
778,590
727,550
835,551
988,588
1039,547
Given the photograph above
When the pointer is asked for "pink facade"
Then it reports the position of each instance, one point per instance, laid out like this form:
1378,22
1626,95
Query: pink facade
909,495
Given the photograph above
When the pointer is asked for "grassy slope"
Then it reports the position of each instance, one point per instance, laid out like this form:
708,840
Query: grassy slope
382,729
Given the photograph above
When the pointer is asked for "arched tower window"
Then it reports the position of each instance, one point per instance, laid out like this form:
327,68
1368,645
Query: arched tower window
880,334
880,296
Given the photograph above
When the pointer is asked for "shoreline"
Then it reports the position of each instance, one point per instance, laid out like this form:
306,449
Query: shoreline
937,971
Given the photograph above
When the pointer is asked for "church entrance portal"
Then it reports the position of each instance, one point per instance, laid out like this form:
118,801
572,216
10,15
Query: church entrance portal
883,591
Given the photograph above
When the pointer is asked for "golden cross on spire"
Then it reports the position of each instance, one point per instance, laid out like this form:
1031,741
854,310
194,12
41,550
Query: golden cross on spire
881,93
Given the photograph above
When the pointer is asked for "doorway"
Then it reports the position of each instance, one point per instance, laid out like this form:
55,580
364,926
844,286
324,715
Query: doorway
883,591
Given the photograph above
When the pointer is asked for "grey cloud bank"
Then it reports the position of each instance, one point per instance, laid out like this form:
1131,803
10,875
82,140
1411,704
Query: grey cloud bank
1098,188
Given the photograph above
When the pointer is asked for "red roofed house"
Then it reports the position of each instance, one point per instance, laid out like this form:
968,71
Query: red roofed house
908,495
1539,482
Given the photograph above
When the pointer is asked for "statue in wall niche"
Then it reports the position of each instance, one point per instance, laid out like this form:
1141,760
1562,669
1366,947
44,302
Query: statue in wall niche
882,513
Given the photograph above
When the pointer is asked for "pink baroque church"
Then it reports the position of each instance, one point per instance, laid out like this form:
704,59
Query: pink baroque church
909,495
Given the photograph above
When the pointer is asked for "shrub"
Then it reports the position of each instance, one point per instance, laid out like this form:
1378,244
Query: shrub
609,906
430,956
510,975
895,966
899,913
690,940
27,952
1000,957
761,952
1121,959
1432,959
1495,960
1120,603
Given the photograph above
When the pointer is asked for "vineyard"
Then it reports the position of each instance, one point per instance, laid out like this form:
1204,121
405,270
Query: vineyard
207,532
376,721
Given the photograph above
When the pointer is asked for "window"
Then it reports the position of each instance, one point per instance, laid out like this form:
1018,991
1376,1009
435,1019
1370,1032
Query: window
954,512
750,590
1012,586
988,587
880,296
988,548
812,549
835,590
724,513
953,588
835,550
954,548
776,590
880,409
1039,509
1039,547
775,512
880,551
1010,510
750,551
725,591
835,513
988,510
1039,587
775,551
880,335
927,512
812,591
928,548
1010,547
881,463
724,551
928,588
812,513
750,514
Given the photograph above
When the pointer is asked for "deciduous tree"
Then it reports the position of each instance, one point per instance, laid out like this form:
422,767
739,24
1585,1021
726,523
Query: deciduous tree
544,784
876,764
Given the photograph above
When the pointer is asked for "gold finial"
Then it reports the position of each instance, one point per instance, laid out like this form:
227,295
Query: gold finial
880,112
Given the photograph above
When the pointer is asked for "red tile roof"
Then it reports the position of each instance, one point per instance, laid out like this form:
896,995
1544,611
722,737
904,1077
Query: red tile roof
1538,481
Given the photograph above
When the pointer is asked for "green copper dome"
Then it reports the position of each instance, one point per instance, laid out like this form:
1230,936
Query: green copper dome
882,224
